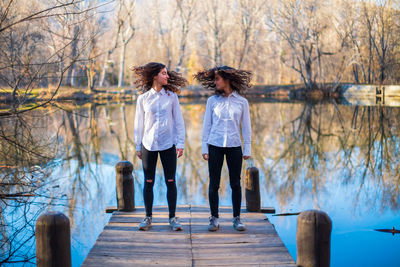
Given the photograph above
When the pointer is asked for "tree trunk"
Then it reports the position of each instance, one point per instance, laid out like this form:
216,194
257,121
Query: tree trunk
103,71
71,71
122,66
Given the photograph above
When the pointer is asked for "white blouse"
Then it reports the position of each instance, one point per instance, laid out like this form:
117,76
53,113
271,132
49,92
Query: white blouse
158,121
222,121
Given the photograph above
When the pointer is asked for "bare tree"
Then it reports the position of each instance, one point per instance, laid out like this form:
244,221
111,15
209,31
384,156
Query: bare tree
187,12
387,39
127,32
109,52
250,16
216,29
302,25
38,47
371,37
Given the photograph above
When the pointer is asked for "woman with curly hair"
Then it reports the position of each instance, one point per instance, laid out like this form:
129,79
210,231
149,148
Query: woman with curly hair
159,129
227,114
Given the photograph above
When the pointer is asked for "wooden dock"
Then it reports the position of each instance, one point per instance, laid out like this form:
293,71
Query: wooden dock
122,244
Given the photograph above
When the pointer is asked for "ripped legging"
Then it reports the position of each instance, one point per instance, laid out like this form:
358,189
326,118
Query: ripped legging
168,161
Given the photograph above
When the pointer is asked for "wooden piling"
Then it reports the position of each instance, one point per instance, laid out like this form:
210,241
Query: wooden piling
252,190
313,239
125,186
53,241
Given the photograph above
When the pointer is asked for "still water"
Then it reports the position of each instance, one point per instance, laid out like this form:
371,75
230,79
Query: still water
341,159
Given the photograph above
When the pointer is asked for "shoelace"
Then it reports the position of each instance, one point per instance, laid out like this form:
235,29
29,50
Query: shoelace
213,220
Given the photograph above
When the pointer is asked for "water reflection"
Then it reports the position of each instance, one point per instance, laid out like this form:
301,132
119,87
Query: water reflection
62,158
307,145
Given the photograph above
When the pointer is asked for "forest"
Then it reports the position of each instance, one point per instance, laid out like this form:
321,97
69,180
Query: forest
52,43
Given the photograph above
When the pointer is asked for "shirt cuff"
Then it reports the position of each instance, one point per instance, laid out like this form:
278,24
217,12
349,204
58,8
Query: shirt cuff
182,146
247,150
138,148
204,148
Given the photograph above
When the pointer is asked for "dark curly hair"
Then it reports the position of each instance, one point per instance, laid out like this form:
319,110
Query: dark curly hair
145,77
239,80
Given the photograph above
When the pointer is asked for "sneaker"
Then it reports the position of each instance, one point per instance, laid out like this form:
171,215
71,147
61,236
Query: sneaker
175,224
238,225
146,224
214,225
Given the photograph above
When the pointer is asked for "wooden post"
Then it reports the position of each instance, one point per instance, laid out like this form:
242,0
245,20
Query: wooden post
380,95
253,200
125,186
313,239
53,241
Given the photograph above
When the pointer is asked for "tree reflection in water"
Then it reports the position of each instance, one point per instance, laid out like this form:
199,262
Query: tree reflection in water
26,159
308,144
62,158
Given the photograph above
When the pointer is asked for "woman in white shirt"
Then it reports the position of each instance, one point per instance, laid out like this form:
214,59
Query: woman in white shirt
227,115
159,129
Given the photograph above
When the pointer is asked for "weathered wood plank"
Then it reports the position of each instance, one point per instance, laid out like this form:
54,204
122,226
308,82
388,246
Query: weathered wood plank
244,261
122,244
138,261
168,255
140,245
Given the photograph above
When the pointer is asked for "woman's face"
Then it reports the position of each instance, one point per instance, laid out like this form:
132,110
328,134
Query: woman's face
162,77
220,83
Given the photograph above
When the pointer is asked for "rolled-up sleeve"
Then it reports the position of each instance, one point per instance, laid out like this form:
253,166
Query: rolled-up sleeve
138,127
179,123
246,130
207,121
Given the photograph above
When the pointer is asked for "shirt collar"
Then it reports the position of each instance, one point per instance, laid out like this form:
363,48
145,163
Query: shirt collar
234,93
154,91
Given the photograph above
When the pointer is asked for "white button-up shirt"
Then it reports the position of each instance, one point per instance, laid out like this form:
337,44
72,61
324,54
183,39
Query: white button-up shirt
222,121
158,121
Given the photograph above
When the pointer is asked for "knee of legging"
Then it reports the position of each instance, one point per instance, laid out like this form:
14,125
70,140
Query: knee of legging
148,183
213,189
235,186
170,182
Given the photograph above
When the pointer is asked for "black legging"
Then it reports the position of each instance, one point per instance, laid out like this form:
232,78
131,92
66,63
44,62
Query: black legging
215,161
149,161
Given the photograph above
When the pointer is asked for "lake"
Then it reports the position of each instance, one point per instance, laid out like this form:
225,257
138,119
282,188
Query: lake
342,159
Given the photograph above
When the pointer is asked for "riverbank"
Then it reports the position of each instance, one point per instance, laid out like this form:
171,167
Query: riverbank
279,92
130,93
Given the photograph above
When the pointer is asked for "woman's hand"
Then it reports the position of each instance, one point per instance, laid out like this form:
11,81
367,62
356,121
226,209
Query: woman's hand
205,156
179,152
246,157
139,154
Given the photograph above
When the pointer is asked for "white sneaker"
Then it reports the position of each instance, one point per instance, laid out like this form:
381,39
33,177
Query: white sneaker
145,224
238,225
214,225
175,224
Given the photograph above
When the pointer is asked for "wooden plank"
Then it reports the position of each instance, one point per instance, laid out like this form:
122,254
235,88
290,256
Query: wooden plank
242,261
129,262
140,245
122,244
270,259
168,255
234,245
242,255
